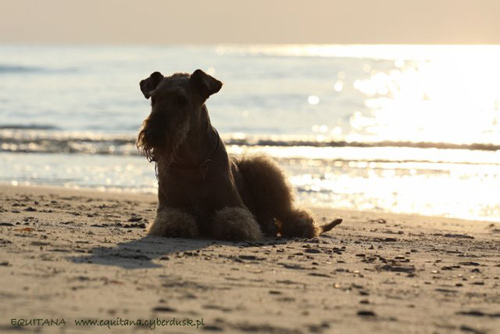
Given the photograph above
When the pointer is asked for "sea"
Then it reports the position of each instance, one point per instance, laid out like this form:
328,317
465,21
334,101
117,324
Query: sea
409,129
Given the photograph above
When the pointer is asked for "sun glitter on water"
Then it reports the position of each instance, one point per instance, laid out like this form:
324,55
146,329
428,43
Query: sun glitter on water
451,100
432,93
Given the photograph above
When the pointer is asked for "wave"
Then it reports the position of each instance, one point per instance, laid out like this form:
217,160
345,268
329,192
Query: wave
334,143
28,127
44,139
21,69
18,69
41,139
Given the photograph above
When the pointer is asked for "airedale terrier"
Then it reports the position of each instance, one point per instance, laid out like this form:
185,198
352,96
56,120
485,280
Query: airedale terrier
201,190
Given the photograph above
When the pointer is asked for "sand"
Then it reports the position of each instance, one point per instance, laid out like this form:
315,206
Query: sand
68,255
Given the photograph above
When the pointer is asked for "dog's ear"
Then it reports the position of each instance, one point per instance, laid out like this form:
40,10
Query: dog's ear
148,85
206,84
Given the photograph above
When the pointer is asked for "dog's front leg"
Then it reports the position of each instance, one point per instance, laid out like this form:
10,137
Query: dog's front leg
233,221
173,223
235,224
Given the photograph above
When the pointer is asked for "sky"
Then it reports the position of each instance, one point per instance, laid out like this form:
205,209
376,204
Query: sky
250,21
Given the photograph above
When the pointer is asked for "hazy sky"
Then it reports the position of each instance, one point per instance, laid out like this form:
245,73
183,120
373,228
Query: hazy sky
250,21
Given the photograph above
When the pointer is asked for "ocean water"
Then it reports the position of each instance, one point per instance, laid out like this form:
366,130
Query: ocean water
405,129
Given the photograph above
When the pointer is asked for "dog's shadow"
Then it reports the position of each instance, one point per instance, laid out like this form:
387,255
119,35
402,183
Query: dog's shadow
141,253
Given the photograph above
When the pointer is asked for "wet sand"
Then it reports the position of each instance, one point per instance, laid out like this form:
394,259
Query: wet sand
69,255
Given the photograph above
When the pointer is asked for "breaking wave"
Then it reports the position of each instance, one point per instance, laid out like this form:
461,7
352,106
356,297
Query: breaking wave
43,139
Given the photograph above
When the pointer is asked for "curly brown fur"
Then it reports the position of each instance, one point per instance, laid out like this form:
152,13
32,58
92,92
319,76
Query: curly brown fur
267,184
174,223
298,223
235,224
201,190
273,197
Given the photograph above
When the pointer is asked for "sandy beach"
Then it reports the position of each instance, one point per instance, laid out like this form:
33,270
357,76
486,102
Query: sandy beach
72,255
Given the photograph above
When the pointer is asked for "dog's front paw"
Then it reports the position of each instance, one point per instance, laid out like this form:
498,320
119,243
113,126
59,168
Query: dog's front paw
235,224
174,223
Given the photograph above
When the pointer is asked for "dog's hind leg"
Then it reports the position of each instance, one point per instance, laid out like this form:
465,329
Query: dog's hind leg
273,197
173,223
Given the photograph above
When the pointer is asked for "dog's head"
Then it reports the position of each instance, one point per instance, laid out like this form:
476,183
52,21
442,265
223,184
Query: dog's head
176,106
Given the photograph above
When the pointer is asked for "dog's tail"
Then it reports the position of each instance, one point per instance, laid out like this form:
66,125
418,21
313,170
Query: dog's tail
330,225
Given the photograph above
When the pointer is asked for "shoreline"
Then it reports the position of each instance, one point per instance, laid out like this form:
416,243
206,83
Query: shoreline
116,193
82,254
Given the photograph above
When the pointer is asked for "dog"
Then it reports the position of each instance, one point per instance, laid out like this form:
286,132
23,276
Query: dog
203,192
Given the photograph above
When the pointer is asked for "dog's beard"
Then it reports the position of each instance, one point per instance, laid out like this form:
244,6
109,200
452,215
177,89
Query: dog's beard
148,139
161,145
174,141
